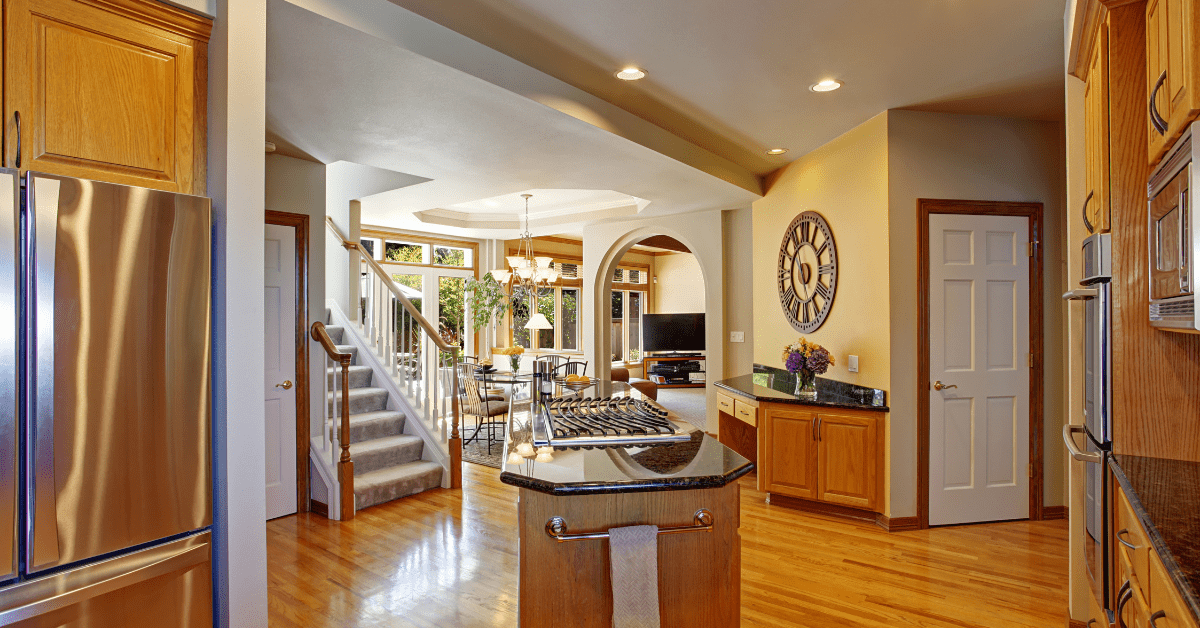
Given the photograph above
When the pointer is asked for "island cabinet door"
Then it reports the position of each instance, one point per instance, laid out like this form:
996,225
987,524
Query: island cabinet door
789,457
847,457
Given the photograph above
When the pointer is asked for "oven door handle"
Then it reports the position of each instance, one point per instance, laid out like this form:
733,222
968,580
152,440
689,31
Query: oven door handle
1076,453
1081,294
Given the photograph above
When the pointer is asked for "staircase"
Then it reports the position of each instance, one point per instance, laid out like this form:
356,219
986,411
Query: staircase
387,462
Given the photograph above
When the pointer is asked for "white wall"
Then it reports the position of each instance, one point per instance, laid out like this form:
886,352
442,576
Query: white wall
605,243
237,126
680,287
945,156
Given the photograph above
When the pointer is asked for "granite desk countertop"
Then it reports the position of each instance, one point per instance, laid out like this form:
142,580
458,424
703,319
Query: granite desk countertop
701,462
774,385
1165,496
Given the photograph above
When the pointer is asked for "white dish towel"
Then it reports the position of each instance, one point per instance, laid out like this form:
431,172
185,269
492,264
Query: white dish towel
633,556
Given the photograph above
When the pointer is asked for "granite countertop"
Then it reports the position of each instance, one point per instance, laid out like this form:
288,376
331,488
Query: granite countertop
1165,496
700,462
777,386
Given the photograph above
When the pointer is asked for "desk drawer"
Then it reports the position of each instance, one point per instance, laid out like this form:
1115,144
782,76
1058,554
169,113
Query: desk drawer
1132,541
725,404
1165,598
746,412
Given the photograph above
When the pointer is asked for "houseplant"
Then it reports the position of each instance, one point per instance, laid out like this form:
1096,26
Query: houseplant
806,360
487,301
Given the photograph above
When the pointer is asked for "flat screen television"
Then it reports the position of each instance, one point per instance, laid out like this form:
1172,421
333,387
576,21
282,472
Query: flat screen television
673,332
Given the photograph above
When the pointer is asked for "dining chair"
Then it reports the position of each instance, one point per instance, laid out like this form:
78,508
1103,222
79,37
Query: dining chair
489,414
562,370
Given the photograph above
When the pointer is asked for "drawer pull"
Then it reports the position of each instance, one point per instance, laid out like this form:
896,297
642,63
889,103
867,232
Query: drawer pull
1156,119
1123,541
1158,615
1123,596
1091,621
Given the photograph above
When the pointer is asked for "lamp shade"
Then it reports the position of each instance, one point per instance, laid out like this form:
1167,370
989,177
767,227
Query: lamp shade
501,276
516,261
538,321
543,262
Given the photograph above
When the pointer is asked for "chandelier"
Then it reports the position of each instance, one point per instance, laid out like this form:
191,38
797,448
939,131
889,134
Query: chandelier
527,274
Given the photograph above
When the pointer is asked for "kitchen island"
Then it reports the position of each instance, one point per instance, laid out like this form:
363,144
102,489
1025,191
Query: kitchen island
825,455
565,581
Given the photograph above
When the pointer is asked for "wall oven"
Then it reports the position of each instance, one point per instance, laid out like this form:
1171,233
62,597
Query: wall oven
1096,427
1173,240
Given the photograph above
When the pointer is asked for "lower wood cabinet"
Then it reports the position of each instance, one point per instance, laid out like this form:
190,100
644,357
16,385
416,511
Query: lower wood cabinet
834,457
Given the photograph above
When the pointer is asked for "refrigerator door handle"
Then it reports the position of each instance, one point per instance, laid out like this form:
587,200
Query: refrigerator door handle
1080,294
1076,453
42,539
177,561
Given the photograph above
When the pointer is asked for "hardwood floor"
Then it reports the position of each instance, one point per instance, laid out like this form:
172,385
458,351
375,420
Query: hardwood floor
444,558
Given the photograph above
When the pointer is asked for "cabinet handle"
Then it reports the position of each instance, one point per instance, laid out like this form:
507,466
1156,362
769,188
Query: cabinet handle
1123,541
1158,615
1123,596
17,119
1091,621
816,421
1091,228
1160,125
819,421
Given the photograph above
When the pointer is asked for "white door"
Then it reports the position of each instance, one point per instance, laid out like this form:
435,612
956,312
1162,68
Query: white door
978,349
280,293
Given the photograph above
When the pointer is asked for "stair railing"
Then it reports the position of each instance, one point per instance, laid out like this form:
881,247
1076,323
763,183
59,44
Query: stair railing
414,354
337,421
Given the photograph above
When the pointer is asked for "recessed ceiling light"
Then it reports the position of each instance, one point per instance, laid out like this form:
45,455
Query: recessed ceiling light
776,151
826,86
631,73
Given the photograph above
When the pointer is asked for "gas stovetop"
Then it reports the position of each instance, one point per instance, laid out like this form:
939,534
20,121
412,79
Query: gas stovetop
607,421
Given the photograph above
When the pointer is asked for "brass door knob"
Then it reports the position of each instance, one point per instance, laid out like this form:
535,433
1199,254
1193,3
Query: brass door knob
286,385
938,385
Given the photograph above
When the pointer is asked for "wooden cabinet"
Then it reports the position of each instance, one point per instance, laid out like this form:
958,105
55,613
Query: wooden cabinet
1096,204
833,457
1172,71
113,90
737,423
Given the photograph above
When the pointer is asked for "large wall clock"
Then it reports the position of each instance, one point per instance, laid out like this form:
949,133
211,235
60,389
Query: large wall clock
807,272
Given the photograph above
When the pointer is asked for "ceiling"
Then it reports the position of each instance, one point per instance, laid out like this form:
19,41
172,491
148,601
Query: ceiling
734,77
487,99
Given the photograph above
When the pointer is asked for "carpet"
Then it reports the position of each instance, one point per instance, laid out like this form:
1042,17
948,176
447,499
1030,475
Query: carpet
689,403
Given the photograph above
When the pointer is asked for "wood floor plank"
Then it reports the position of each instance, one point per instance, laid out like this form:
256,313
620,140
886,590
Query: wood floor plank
449,558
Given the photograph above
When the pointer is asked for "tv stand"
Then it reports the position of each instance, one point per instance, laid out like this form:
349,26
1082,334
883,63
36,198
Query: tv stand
650,360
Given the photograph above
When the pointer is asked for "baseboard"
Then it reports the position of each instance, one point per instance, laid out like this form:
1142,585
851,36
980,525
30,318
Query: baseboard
321,508
897,524
822,508
1050,513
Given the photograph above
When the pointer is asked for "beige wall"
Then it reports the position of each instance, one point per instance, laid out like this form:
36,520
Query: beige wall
846,181
866,184
738,230
933,155
680,286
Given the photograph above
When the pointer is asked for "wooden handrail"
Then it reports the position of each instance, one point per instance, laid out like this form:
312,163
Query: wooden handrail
345,463
454,443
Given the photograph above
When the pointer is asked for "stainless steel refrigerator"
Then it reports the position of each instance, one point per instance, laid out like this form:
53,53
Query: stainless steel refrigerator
105,443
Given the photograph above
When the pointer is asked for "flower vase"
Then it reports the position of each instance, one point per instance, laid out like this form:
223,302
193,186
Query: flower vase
515,362
806,385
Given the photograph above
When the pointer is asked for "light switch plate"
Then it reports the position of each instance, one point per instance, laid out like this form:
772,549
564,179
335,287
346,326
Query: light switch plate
852,364
737,336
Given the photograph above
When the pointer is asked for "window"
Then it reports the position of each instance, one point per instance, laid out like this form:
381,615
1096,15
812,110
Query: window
627,310
405,252
452,256
560,306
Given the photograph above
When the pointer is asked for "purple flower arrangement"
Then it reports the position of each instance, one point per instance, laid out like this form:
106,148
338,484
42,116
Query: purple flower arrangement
806,360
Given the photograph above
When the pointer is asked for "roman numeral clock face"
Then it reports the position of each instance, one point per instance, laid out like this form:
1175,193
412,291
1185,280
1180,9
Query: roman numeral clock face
807,272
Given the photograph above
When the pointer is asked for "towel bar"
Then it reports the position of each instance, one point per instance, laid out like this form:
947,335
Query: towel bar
556,528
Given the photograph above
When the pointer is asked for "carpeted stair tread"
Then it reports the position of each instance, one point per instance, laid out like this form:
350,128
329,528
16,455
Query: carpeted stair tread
336,333
360,375
391,483
380,453
366,400
351,349
371,425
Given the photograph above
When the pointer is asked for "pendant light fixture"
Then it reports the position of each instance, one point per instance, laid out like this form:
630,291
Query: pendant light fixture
528,273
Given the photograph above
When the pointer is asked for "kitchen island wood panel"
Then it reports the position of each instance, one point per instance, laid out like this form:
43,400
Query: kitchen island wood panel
569,584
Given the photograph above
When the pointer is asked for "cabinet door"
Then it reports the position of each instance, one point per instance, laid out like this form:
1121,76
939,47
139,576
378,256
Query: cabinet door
101,95
1172,71
1096,205
788,444
846,460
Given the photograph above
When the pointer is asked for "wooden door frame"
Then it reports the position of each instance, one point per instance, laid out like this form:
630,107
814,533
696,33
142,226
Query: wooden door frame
300,223
1032,211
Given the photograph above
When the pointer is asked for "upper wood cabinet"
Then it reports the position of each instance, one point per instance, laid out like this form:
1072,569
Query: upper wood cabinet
112,90
834,457
1096,204
1172,72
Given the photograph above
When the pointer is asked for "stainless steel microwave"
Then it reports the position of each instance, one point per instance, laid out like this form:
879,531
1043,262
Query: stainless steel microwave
1174,241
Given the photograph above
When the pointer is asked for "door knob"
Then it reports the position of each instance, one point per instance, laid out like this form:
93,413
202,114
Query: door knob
286,385
938,385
